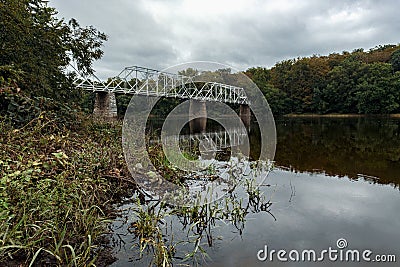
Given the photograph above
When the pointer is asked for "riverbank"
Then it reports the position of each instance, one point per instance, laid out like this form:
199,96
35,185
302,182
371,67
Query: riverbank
58,184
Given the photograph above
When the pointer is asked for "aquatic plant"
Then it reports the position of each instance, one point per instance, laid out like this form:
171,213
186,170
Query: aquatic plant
150,225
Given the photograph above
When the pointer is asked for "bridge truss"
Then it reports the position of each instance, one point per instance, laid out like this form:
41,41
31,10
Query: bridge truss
137,80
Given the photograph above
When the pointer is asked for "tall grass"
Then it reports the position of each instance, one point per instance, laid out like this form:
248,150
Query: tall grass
56,187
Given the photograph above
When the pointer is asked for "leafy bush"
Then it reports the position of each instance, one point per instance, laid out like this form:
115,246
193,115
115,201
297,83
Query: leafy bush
19,109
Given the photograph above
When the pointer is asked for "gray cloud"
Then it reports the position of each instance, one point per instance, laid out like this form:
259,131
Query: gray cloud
158,33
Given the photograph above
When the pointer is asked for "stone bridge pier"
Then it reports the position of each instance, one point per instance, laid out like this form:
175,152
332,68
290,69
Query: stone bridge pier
105,106
245,115
197,109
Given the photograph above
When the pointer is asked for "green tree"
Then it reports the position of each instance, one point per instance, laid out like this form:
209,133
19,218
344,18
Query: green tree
260,76
281,79
307,76
340,93
39,46
280,75
395,60
277,99
378,90
189,72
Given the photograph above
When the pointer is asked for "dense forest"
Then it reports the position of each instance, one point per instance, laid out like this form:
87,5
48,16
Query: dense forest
364,82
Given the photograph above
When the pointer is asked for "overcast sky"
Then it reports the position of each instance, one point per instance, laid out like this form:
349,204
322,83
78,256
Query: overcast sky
241,33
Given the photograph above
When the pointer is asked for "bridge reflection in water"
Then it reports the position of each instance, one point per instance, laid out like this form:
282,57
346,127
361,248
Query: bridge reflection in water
220,140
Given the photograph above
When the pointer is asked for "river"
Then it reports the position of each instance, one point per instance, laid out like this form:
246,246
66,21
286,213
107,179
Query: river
334,180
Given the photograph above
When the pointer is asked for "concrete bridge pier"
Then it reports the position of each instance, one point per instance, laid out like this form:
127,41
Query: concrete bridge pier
197,109
105,106
245,115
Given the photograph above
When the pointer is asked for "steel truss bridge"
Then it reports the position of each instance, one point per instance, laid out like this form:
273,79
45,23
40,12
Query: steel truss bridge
148,82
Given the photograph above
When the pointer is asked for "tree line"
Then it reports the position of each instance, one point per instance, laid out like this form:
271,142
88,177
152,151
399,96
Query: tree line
363,82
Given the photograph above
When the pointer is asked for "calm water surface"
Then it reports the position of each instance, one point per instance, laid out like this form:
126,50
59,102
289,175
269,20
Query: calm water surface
335,178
